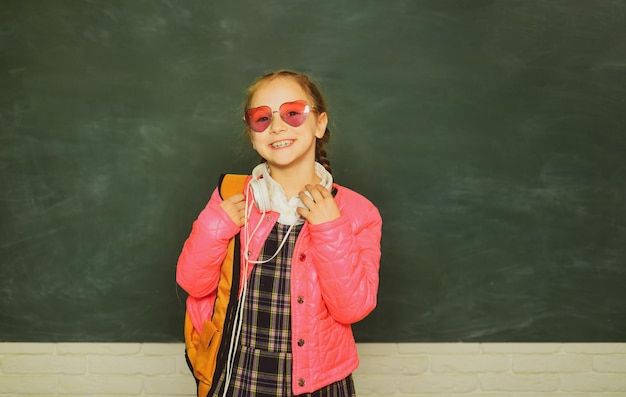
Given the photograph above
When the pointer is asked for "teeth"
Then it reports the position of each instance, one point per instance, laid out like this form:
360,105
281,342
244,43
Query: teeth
281,144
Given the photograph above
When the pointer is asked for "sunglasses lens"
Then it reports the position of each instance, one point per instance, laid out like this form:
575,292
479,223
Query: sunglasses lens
259,118
294,113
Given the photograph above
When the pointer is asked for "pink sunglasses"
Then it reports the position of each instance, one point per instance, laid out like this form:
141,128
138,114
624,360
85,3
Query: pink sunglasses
293,113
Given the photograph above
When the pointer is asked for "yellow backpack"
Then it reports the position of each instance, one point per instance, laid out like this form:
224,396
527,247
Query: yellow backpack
207,352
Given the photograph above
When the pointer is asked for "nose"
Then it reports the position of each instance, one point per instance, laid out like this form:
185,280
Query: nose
277,124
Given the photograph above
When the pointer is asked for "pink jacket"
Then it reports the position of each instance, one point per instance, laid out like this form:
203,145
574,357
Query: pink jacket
334,281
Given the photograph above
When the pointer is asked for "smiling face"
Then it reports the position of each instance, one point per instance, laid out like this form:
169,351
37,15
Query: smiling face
281,144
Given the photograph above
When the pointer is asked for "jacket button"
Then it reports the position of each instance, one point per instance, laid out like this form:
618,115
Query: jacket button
300,299
300,342
301,382
302,257
268,218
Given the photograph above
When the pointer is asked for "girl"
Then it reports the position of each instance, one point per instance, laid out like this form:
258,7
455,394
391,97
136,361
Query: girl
310,253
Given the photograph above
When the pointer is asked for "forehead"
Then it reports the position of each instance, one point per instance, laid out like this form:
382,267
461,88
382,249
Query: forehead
276,92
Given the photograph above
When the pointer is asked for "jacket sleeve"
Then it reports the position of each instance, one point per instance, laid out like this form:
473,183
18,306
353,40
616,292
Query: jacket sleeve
198,268
347,260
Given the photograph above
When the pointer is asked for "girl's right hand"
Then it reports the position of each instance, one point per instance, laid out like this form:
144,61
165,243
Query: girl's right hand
235,207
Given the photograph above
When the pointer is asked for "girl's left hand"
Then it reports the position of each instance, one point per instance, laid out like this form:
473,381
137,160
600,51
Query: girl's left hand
320,205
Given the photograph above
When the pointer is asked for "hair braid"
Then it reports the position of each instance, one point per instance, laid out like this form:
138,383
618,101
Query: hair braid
320,150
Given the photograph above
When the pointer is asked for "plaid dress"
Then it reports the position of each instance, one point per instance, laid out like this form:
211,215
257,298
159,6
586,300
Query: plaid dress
263,359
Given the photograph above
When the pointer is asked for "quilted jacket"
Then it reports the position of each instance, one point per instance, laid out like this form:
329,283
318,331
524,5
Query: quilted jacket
334,280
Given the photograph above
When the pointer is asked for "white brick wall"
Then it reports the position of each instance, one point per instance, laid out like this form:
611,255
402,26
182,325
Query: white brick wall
403,369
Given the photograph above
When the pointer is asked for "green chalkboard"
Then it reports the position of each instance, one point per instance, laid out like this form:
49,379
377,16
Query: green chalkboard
489,133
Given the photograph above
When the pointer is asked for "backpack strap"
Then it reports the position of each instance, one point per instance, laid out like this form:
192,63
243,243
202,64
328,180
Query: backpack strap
231,184
207,352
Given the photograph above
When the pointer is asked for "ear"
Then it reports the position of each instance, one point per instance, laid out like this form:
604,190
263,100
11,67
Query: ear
322,122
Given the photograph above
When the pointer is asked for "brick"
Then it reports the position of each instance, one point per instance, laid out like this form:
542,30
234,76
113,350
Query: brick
163,349
375,385
521,348
435,383
26,348
470,363
181,366
176,385
563,363
34,364
609,363
594,382
547,394
471,394
64,395
438,348
377,349
132,365
99,385
595,348
393,365
604,395
42,384
527,383
99,348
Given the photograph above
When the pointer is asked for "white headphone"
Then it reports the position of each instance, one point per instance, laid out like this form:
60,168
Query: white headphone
260,190
261,194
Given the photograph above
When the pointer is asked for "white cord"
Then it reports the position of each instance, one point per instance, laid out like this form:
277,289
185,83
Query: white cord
236,331
238,321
